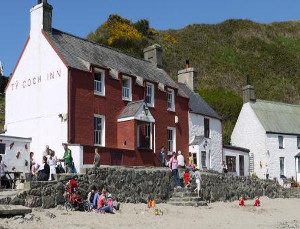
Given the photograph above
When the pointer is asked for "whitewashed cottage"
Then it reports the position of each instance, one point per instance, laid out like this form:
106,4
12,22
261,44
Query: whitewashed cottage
205,125
271,131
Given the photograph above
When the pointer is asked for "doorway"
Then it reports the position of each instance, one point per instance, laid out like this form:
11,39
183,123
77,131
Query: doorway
242,165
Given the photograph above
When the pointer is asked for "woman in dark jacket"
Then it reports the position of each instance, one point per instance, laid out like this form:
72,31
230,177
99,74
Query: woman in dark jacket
45,172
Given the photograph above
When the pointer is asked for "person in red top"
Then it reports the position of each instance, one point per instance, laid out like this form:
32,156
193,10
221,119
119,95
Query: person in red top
186,177
242,202
257,202
73,186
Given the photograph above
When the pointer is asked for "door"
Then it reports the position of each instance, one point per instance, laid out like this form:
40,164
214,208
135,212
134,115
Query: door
242,165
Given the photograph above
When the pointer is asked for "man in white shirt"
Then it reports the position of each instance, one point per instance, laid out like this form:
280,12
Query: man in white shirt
180,159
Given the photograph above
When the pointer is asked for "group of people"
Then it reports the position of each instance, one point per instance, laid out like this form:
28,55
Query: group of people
177,165
51,165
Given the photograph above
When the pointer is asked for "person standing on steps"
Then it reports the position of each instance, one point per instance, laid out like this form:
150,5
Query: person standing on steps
173,164
198,180
68,159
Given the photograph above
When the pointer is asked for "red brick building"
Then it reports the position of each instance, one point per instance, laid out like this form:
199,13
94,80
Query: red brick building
126,107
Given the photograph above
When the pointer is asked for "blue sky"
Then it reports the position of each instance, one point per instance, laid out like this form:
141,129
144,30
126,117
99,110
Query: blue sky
83,16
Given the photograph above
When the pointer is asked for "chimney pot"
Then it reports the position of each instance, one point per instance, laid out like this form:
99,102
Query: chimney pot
249,94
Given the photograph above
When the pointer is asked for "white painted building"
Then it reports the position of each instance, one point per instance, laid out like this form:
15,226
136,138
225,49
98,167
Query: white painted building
37,94
237,160
15,153
205,126
271,131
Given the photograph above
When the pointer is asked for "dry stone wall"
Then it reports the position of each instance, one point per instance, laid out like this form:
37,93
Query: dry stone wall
133,185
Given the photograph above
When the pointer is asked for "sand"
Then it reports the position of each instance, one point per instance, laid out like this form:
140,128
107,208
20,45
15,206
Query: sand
274,213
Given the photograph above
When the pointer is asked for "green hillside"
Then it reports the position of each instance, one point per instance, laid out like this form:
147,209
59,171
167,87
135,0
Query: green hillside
224,55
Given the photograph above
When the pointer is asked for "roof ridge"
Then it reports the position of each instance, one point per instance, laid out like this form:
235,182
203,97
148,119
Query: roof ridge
104,46
278,102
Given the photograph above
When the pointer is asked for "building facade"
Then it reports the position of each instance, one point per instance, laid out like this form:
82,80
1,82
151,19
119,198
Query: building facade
237,160
271,131
205,125
65,89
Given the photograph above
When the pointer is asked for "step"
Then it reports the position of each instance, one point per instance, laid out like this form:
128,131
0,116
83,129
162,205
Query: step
12,210
191,204
185,199
184,194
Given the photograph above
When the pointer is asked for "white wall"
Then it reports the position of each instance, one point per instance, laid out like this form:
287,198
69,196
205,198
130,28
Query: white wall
36,95
249,133
10,159
236,154
196,128
274,153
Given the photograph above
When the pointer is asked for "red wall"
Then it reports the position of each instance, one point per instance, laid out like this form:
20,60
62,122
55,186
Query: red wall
84,104
126,133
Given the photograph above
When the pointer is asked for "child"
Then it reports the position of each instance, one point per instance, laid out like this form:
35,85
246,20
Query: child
242,202
151,202
256,202
186,177
198,180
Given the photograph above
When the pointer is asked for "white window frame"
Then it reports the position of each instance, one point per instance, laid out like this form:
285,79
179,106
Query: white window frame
129,89
101,83
102,131
170,95
151,85
151,136
173,129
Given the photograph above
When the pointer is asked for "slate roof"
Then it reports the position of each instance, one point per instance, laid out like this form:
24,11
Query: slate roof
131,109
278,117
197,104
80,53
197,140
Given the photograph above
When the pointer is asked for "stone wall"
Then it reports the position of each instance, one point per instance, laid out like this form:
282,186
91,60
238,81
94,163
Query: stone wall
135,184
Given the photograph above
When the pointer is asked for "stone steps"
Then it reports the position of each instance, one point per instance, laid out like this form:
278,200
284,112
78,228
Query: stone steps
185,197
189,203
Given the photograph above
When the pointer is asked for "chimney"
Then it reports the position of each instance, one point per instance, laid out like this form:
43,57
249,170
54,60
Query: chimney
154,54
41,18
188,76
249,94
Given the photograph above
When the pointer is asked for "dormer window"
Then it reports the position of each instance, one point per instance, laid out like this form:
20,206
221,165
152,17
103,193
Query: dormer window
149,94
99,82
127,88
170,100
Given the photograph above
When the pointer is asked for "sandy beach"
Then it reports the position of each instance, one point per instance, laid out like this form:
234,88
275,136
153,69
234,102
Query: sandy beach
274,213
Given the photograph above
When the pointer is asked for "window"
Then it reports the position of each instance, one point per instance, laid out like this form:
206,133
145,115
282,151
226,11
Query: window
99,130
203,159
99,88
171,139
150,94
145,136
298,159
281,164
206,128
280,142
170,100
2,148
126,88
231,164
298,142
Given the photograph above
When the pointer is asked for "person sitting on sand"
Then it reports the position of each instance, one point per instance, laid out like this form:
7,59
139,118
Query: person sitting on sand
96,197
256,202
102,205
241,202
91,194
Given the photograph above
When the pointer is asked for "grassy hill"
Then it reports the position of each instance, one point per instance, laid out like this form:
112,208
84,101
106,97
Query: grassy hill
224,55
